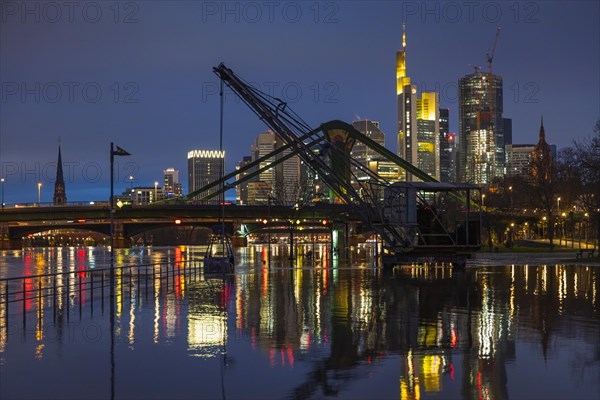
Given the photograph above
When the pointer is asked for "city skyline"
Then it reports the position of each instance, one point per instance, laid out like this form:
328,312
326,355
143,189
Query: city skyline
160,99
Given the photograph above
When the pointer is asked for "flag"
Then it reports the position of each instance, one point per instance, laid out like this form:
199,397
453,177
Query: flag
120,152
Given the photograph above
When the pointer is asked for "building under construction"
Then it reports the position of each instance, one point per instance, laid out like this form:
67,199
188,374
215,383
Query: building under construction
481,128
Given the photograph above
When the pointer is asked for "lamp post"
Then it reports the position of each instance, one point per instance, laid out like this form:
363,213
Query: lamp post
544,227
585,216
269,231
2,182
39,186
511,198
562,227
558,205
155,187
483,201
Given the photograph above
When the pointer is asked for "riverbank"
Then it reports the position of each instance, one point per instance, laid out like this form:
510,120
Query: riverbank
524,257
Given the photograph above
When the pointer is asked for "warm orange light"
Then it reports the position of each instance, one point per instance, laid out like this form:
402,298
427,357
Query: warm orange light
177,221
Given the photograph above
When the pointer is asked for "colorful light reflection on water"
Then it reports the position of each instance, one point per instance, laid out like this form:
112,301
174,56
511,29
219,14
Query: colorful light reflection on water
311,331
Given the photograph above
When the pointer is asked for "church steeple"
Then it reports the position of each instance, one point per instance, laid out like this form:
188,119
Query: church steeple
542,163
60,196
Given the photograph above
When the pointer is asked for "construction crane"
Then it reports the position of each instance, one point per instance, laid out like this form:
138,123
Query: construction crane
489,57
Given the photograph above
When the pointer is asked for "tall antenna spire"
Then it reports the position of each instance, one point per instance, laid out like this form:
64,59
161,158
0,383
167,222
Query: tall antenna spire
404,35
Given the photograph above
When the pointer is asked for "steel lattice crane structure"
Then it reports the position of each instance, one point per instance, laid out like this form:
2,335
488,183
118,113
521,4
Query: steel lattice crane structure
304,142
382,206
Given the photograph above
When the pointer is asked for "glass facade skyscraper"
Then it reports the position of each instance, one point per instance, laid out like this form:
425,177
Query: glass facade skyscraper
418,125
481,128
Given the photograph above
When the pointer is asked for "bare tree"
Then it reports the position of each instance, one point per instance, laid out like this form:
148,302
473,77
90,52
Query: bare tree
588,163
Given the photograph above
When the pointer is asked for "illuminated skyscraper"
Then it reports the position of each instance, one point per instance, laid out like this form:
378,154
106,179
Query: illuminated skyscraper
407,109
171,185
204,167
428,131
418,125
447,149
481,128
259,189
287,178
518,159
361,152
281,183
241,190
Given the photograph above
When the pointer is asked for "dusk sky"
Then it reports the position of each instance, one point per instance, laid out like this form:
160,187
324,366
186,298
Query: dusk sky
140,74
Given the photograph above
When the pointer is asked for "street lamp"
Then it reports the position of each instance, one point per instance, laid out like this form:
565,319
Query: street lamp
2,182
155,187
511,199
269,231
562,228
483,201
39,186
558,204
544,227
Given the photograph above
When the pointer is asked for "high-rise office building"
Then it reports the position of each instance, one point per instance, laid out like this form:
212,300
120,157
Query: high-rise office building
281,183
288,185
507,130
261,187
518,159
447,148
418,125
361,152
241,190
407,110
263,145
171,185
481,128
204,167
428,134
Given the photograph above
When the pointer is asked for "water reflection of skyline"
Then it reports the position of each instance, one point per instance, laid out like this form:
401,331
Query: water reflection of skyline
458,334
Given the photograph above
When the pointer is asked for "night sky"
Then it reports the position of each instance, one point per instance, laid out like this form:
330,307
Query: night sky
140,74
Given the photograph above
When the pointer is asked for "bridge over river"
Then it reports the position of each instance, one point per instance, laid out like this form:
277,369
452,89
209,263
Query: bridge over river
19,222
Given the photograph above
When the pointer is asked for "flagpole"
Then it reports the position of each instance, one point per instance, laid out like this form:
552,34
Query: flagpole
112,275
112,219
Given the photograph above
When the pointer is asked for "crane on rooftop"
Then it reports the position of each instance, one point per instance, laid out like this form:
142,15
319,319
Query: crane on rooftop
489,57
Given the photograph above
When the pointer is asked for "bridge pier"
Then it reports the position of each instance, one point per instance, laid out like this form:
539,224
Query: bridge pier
341,240
11,244
119,240
5,242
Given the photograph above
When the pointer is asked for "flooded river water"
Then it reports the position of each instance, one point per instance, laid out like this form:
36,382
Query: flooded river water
318,328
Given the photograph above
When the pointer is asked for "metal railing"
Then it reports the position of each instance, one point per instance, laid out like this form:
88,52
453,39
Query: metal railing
23,290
